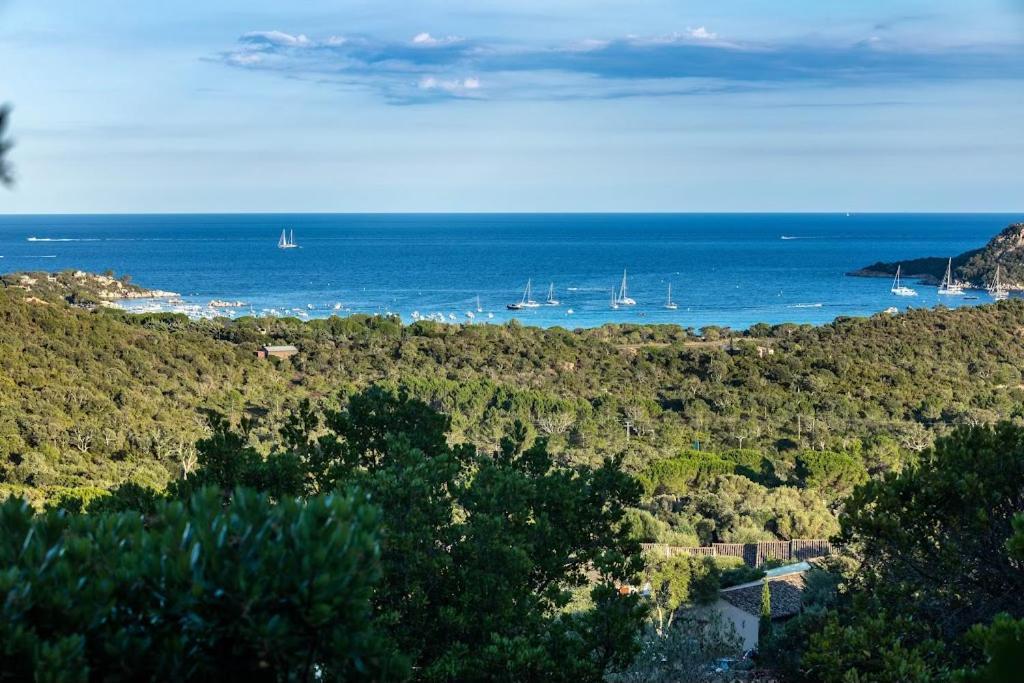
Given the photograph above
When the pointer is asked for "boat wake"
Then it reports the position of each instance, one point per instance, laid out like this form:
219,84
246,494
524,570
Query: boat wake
62,239
805,306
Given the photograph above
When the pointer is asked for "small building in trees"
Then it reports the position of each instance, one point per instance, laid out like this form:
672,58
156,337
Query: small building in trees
284,351
741,605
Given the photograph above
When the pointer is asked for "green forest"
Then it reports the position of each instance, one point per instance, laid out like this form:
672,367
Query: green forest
97,397
458,502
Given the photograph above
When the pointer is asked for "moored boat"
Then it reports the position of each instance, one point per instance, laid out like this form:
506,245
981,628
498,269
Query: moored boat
551,300
997,290
623,298
898,288
669,304
286,241
948,285
526,301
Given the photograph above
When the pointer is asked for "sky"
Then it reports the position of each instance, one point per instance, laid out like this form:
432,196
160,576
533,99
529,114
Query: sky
138,106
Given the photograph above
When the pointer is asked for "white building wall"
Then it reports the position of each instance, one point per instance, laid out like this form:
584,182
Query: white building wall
744,623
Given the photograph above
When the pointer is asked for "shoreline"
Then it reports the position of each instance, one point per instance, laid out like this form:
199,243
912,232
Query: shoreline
238,309
88,290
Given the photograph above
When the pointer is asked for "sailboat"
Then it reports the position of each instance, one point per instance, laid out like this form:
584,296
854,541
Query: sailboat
948,286
898,288
615,302
551,300
998,290
623,298
669,304
526,301
479,308
286,242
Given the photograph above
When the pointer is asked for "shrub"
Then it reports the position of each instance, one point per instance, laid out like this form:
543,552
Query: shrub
201,591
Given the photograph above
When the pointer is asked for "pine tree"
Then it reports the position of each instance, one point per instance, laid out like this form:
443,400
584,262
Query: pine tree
764,625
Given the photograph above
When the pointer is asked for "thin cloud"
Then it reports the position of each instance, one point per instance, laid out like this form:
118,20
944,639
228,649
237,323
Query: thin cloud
425,67
457,86
701,33
274,38
427,40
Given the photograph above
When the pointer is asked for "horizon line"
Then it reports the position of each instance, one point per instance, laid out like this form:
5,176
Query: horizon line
514,213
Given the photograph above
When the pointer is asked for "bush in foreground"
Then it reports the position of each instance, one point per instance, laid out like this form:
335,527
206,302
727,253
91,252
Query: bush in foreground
198,590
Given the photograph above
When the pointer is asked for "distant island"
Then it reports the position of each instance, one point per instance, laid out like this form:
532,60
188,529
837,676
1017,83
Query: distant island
975,268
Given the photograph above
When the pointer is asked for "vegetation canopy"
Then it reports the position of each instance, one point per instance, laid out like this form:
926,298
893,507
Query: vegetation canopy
440,503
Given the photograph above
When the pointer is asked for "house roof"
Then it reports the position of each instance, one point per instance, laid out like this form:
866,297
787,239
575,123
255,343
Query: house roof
288,347
797,568
786,593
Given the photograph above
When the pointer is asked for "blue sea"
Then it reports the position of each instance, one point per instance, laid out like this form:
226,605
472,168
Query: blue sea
725,269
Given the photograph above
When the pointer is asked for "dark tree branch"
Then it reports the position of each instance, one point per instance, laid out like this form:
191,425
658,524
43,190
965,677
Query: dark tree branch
6,171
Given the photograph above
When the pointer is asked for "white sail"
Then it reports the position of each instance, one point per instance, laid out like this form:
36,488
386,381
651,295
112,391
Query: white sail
948,285
526,301
551,300
285,242
623,298
898,288
997,290
669,304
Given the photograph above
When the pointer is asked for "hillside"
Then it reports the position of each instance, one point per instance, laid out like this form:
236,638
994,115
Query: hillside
98,397
976,267
727,437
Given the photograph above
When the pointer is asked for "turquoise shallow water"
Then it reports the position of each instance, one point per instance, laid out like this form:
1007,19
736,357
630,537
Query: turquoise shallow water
725,269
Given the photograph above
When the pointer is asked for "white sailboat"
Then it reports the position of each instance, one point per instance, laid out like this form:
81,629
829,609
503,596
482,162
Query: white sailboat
669,304
526,301
997,290
479,308
551,300
949,286
623,298
615,302
898,288
286,242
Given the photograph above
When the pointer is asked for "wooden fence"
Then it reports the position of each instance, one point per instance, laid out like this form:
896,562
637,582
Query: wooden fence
753,554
